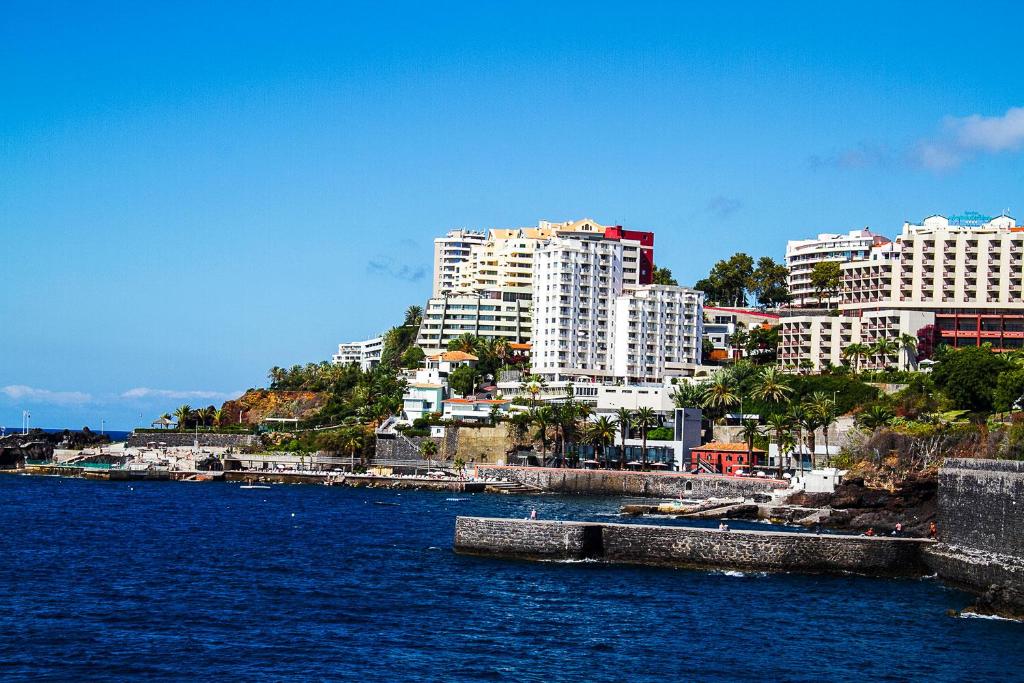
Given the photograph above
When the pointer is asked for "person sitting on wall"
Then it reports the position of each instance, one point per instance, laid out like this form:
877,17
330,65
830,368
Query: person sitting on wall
722,526
898,531
870,531
933,530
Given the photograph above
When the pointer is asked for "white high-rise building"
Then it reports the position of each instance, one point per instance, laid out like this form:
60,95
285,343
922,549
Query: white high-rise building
365,354
575,282
481,315
657,332
803,255
450,253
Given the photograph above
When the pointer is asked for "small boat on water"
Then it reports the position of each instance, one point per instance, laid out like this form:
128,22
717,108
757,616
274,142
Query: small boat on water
253,486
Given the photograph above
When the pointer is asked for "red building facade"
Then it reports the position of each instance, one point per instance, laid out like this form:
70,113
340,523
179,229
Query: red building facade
725,458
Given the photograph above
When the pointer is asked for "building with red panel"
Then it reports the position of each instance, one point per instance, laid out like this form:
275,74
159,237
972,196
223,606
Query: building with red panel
645,259
1003,330
725,458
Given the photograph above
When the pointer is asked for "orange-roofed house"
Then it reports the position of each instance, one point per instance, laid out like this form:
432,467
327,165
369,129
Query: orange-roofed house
725,458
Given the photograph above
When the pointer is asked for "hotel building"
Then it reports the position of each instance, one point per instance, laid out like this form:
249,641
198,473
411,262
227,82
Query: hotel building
964,275
803,255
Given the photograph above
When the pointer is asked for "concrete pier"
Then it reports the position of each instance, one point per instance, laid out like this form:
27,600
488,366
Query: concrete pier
699,548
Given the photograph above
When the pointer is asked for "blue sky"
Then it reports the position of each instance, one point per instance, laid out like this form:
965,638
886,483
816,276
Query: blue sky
193,195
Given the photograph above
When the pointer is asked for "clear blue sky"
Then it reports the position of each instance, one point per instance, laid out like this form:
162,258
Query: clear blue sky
193,195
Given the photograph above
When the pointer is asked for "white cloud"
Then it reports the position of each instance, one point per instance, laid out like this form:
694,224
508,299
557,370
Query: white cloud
21,392
989,133
146,392
964,137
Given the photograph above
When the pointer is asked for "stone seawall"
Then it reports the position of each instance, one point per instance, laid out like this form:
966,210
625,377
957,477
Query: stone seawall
690,547
981,531
648,484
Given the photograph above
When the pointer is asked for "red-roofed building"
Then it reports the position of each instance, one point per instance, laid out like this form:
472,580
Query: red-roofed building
724,458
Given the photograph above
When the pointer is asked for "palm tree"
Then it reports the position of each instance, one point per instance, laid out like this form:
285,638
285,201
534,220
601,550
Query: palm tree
428,449
542,418
855,352
825,410
534,385
352,441
183,414
466,343
720,394
218,416
624,418
884,348
772,385
779,424
738,340
687,395
908,344
750,431
204,416
413,316
644,419
809,423
875,417
602,433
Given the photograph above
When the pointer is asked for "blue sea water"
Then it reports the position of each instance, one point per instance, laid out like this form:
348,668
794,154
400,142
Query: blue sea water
114,581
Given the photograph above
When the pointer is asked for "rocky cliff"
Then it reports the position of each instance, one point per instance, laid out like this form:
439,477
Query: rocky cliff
257,404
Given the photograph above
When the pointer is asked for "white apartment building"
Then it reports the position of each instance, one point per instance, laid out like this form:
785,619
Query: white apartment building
657,332
506,316
450,253
365,354
575,282
802,255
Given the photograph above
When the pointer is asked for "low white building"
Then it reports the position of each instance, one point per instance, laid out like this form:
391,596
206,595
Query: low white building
420,400
365,354
473,409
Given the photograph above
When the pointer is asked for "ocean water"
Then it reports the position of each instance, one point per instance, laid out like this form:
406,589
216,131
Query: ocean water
114,581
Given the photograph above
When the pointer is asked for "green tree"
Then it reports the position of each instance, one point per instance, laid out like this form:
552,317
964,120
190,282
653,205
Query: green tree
772,386
467,343
643,419
855,352
720,394
462,380
908,344
769,283
624,418
184,415
428,449
413,357
883,348
875,417
413,316
748,433
688,395
601,433
968,376
663,276
824,408
1009,391
542,419
779,425
825,278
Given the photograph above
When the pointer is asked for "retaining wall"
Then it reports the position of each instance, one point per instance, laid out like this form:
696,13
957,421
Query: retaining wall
981,531
690,547
615,483
187,439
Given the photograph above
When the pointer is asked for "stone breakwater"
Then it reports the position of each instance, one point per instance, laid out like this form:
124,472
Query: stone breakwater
981,532
690,547
621,483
